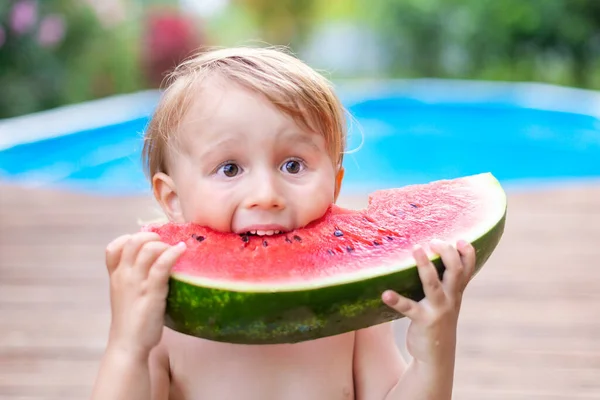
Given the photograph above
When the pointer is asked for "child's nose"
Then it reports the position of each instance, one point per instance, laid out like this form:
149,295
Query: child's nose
264,194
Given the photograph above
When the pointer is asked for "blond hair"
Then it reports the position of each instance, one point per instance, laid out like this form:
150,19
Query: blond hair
291,85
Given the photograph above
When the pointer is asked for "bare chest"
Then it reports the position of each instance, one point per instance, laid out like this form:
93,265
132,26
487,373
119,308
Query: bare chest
315,370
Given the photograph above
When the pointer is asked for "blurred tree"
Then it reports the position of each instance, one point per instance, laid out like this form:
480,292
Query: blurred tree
54,52
169,37
282,22
556,41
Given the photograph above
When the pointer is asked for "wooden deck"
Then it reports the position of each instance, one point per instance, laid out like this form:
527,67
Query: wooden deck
530,327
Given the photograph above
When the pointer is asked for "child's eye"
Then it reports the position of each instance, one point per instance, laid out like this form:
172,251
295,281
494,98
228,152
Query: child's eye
230,169
292,166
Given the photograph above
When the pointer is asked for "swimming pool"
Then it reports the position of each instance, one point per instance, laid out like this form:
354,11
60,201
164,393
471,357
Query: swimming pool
412,131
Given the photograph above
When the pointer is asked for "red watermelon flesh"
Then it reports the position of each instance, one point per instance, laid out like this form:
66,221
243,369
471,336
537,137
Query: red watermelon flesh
344,245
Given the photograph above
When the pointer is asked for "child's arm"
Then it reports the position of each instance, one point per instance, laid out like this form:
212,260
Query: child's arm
133,366
380,372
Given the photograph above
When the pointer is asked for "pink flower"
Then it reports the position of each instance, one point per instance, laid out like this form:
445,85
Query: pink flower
52,30
2,36
169,38
23,16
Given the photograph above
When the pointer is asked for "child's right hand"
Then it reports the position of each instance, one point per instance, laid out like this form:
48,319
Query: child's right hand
139,267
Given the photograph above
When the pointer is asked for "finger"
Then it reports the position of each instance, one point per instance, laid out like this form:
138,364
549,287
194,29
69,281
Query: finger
401,304
114,251
134,244
453,275
429,277
147,255
161,269
468,257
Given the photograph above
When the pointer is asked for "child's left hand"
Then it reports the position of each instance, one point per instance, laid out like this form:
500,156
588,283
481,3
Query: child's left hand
431,336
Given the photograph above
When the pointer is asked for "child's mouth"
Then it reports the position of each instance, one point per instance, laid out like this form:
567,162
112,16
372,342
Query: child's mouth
263,233
263,230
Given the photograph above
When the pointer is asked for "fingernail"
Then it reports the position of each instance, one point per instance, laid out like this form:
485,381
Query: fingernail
390,297
181,245
462,243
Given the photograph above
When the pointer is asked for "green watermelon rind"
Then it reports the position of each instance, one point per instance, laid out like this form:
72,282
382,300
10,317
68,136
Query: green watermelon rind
291,316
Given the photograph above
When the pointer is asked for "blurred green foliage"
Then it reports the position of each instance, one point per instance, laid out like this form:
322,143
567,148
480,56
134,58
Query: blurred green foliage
555,41
285,22
66,54
56,52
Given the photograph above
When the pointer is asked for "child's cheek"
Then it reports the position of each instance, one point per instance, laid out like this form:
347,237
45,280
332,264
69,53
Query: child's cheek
313,200
210,205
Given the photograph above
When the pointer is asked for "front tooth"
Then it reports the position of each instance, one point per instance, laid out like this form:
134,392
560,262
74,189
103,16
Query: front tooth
265,233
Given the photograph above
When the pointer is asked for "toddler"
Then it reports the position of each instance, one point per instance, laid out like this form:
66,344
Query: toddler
252,140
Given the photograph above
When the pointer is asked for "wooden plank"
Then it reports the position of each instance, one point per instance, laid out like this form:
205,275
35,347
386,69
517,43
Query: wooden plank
529,327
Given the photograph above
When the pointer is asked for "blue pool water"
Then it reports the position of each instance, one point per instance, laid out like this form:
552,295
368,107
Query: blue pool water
405,139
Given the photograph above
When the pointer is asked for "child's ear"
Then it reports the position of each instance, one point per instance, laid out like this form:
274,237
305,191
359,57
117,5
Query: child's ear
338,183
166,195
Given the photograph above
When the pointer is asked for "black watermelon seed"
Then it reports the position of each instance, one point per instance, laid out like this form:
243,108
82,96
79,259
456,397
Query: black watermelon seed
413,205
198,237
389,238
297,238
330,252
287,239
349,249
245,238
376,243
338,233
265,244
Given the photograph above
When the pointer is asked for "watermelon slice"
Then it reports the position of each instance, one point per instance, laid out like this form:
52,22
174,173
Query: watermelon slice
326,278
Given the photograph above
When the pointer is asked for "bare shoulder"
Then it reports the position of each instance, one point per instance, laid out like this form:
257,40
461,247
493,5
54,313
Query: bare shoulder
375,341
378,363
381,331
174,360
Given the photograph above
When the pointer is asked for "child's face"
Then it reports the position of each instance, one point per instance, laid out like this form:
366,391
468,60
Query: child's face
245,166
